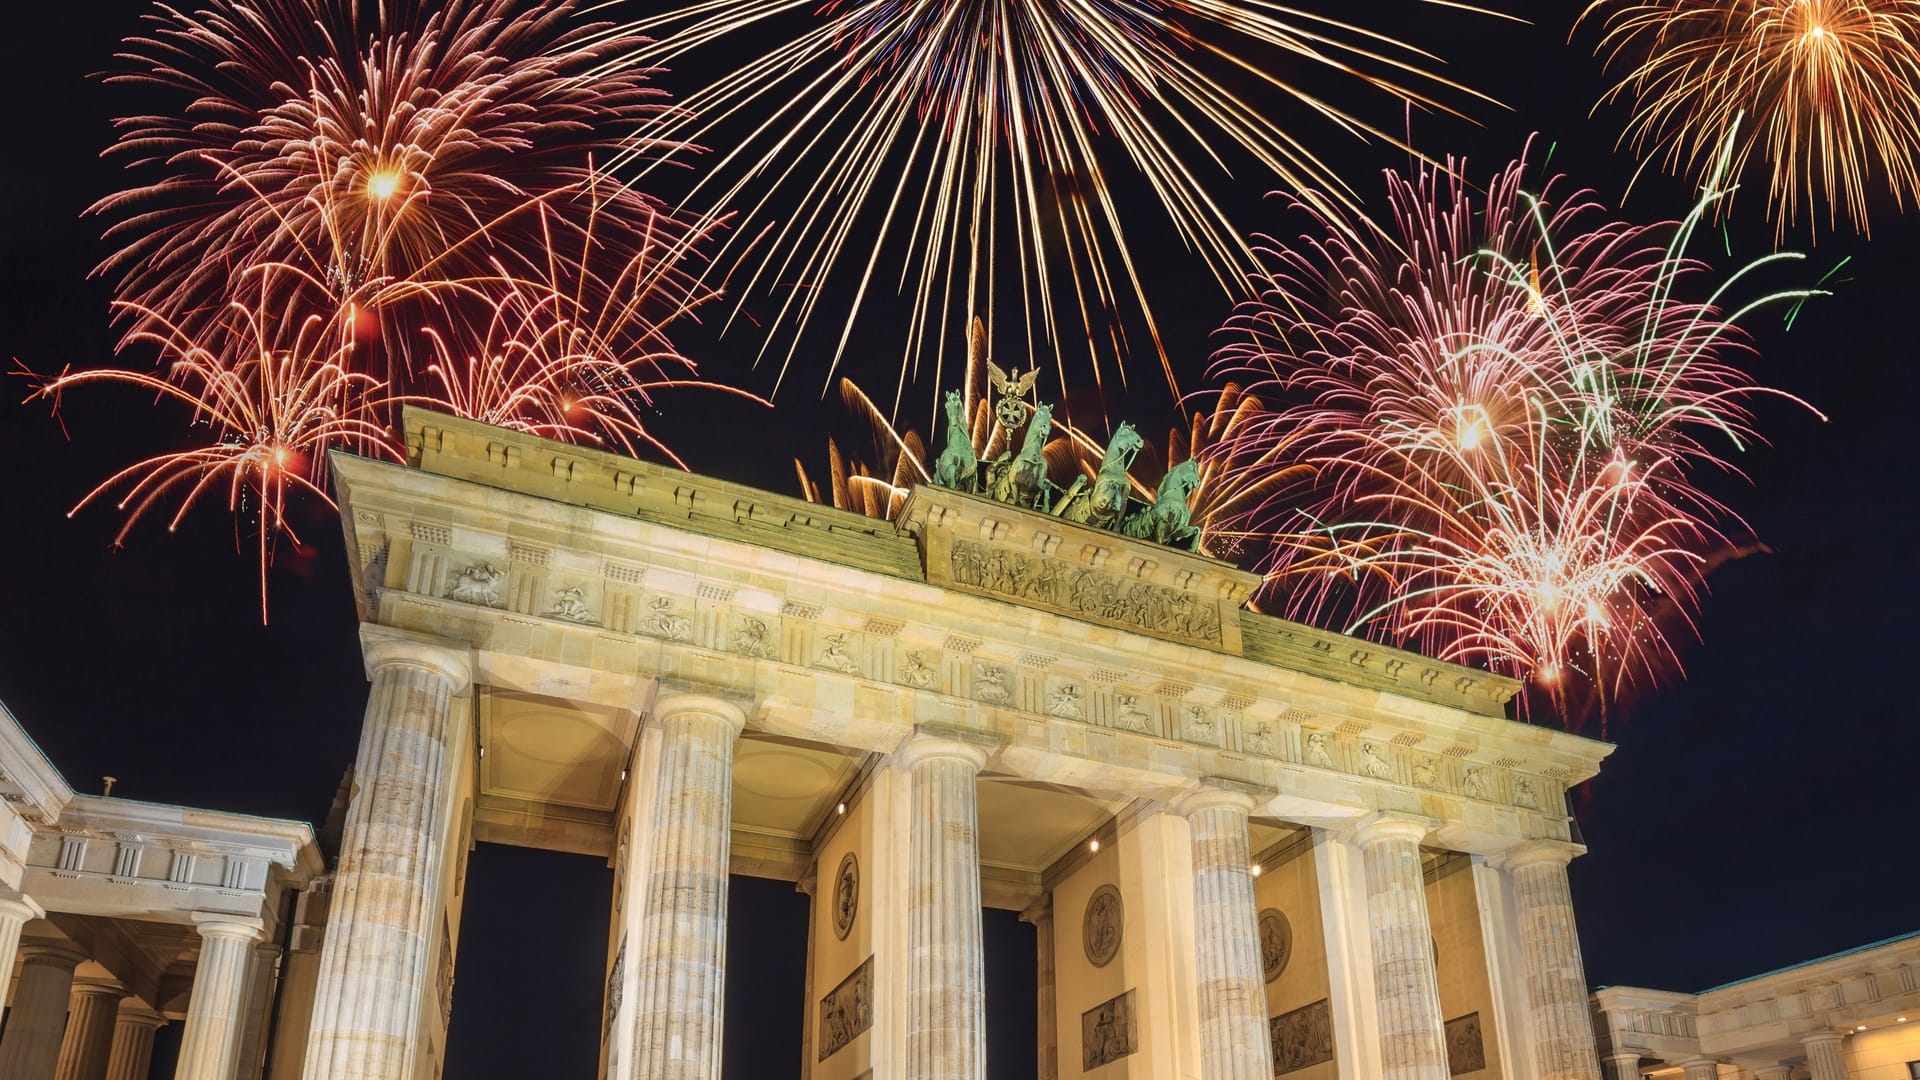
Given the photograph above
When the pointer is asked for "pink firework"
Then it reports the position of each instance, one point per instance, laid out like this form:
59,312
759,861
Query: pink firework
1497,402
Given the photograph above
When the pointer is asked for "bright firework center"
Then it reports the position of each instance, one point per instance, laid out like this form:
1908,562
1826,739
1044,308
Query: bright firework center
1249,848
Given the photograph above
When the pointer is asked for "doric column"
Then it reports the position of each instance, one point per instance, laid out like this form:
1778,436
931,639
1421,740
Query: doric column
91,1007
1226,936
1407,993
263,980
1040,914
31,1047
373,961
133,1028
1563,1045
217,1011
946,971
1825,1058
683,935
16,912
1623,1065
1701,1069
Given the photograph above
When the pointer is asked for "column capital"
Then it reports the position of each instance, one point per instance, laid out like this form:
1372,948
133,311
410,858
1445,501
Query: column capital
1627,1062
1534,852
1387,825
1825,1035
679,699
1213,793
51,953
20,906
1773,1072
98,988
136,1013
239,927
928,743
382,647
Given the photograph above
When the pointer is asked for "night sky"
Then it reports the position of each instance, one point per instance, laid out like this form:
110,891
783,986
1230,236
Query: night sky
1755,814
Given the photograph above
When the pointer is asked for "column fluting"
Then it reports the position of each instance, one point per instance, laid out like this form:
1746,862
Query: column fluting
1623,1065
84,1049
30,1049
1826,1060
1563,1043
946,970
683,934
133,1028
373,962
217,1011
1226,933
1406,989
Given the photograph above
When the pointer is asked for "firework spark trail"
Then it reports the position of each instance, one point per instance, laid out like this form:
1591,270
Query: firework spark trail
1498,405
1833,85
936,127
389,148
274,390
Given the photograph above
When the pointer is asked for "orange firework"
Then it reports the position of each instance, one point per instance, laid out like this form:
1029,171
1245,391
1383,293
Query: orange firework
1831,86
274,390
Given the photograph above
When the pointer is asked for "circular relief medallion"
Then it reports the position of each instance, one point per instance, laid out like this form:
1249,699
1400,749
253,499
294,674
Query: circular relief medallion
846,896
1276,943
1100,930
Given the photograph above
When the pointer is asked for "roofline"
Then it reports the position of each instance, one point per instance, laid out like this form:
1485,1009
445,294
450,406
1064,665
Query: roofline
1857,949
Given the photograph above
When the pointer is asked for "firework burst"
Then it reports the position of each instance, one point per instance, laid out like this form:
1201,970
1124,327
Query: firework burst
942,134
271,390
1495,416
1831,85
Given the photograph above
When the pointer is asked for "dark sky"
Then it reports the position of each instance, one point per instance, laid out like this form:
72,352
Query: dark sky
1755,815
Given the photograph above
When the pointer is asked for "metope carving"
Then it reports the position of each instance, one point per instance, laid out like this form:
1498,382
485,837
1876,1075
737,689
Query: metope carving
1317,753
847,1011
1102,926
1129,715
1426,772
1524,795
752,637
1108,1032
478,584
1476,782
846,896
1260,740
662,622
570,604
1301,1038
1079,590
1372,764
919,674
992,684
834,655
1066,702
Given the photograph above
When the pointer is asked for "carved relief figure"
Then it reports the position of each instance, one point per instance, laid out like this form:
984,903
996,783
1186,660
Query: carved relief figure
1301,1038
835,656
1524,795
1103,503
1129,715
990,684
1426,771
1260,739
1276,943
1065,701
846,896
1200,725
1108,1032
1372,764
919,674
1476,782
1080,590
753,638
664,623
616,982
1102,926
847,1011
956,467
570,604
478,584
1465,1052
1317,750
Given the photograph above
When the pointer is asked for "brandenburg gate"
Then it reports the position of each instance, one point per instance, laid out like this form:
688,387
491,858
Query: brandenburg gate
1250,848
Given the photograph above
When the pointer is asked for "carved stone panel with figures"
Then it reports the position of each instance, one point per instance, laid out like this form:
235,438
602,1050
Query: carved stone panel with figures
1302,1037
847,1011
1466,1053
1108,1032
